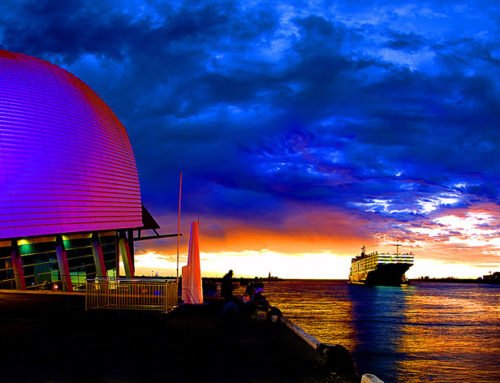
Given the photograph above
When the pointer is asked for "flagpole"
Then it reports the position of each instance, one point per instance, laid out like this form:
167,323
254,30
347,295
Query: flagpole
179,223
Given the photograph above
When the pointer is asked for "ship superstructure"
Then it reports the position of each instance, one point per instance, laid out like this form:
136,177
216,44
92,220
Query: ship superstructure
380,268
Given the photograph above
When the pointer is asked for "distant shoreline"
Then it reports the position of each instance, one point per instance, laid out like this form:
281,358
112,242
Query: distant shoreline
456,280
438,280
245,280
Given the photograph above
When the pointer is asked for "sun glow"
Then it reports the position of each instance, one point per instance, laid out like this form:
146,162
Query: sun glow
321,265
312,244
441,269
152,263
324,265
251,263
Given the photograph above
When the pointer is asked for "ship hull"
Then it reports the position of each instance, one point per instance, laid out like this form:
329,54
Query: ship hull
384,274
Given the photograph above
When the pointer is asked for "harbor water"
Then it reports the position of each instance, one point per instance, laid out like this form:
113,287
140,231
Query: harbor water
425,332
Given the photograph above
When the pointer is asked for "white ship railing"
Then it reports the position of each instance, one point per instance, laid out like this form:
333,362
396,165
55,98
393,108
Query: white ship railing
393,258
371,261
131,294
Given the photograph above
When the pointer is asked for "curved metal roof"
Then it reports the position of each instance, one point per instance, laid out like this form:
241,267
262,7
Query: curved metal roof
66,163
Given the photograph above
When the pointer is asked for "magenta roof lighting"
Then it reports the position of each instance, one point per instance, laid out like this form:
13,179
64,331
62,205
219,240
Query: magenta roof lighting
66,163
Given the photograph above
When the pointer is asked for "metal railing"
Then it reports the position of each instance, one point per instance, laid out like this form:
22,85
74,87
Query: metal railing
131,294
393,258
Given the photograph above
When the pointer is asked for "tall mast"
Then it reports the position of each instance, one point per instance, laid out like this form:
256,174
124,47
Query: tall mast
179,223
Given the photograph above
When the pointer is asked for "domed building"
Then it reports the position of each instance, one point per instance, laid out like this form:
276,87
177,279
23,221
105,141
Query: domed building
70,196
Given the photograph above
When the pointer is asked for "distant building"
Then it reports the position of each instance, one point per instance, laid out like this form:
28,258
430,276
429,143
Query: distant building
69,190
492,278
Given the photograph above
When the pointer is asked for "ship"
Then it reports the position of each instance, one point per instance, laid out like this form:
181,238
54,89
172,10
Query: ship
380,268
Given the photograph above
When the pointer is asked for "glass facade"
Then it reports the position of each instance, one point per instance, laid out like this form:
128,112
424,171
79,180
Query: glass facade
41,268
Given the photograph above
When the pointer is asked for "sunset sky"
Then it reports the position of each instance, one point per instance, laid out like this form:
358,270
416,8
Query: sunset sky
303,129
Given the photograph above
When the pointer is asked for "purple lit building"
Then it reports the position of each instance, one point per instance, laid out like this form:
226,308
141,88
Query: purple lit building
70,197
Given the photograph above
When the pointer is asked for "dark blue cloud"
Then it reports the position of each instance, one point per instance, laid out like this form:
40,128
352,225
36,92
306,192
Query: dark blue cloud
380,111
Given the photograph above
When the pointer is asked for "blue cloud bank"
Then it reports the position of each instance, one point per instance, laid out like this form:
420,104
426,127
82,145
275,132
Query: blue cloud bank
388,112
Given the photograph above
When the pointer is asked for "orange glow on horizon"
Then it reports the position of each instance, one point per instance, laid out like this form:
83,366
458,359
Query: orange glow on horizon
460,243
325,265
314,231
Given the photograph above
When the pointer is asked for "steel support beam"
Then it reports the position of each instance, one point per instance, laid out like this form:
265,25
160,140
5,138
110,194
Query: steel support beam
124,250
17,266
100,265
62,261
158,236
130,241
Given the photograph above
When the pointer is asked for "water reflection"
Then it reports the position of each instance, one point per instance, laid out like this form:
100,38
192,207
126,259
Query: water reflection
450,334
322,308
378,315
427,332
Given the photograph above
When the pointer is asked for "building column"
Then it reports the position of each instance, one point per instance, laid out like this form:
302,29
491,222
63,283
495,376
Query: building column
17,266
124,250
62,261
117,256
100,266
130,239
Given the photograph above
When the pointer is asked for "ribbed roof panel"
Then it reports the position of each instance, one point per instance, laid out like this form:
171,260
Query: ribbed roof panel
66,163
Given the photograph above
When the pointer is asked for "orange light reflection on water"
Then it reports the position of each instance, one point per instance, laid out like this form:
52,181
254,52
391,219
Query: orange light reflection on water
448,334
440,332
321,308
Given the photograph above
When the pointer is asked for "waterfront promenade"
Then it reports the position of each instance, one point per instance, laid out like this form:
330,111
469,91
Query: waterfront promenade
51,338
